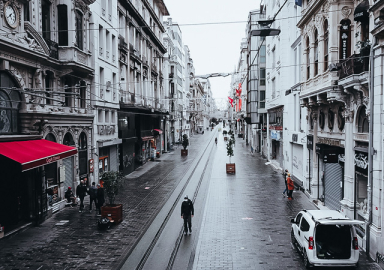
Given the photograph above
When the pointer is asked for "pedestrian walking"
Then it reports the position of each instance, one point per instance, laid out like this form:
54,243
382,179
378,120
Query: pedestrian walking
290,186
100,198
285,180
81,192
92,196
187,213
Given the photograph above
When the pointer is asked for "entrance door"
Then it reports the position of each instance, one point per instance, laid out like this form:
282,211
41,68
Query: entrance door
333,185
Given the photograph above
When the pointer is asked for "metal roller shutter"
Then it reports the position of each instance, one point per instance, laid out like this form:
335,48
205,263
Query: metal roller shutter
333,185
113,158
68,163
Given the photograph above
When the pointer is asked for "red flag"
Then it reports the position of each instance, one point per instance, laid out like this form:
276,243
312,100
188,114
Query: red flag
238,90
231,101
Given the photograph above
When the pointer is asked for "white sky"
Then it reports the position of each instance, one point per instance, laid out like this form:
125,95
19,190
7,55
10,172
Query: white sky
216,47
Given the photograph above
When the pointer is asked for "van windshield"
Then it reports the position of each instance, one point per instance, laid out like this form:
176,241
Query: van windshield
333,241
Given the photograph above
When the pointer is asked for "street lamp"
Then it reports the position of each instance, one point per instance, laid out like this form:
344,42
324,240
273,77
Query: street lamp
265,29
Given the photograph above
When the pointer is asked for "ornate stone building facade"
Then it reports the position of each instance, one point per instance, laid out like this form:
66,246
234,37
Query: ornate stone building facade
335,82
46,69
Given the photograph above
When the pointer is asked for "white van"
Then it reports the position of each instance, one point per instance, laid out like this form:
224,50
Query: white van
325,238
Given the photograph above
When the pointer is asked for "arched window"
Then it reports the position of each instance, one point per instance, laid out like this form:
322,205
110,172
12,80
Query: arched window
50,137
68,139
308,60
363,123
9,104
79,29
325,45
83,154
316,53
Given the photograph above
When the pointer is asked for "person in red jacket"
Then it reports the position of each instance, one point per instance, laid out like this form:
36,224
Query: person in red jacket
290,186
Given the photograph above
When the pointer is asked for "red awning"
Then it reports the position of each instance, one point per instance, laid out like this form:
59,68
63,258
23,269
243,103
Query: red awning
147,138
159,131
35,153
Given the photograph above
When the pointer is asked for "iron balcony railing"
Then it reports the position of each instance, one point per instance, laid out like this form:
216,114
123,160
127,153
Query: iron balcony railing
355,64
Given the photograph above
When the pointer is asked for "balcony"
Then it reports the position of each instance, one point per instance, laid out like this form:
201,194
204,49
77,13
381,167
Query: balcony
73,55
353,65
106,129
53,48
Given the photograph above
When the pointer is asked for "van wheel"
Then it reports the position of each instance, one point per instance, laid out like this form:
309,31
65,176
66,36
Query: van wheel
293,239
306,261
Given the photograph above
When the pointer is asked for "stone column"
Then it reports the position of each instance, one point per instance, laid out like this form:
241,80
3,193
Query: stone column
347,203
315,177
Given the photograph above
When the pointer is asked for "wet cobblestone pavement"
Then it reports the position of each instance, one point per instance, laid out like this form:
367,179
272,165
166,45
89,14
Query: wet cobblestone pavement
246,221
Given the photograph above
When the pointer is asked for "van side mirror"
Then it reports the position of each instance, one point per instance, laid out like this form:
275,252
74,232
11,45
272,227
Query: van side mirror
293,220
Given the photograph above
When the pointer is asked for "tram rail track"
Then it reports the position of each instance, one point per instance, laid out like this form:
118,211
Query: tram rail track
192,170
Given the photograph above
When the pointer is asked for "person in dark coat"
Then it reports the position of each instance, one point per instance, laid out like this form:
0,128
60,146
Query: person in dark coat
81,192
100,198
187,213
69,196
92,196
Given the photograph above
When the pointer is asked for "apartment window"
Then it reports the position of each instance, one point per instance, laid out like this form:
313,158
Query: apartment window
68,91
273,88
308,60
62,26
26,11
107,44
122,25
46,19
100,117
273,58
316,53
101,83
101,40
113,120
262,76
262,99
113,48
262,54
103,7
325,45
48,88
79,29
109,9
83,89
107,117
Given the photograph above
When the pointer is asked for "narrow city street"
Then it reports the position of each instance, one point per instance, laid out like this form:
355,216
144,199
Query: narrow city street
241,221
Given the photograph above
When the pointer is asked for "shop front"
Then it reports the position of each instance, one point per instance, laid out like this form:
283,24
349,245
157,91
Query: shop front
331,172
29,180
361,192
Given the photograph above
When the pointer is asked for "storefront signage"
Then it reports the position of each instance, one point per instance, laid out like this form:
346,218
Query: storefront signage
52,159
328,141
361,161
275,135
345,39
91,165
275,127
310,142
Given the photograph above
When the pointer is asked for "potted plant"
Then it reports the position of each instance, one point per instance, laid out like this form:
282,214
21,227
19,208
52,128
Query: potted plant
364,46
230,167
185,143
225,135
112,182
